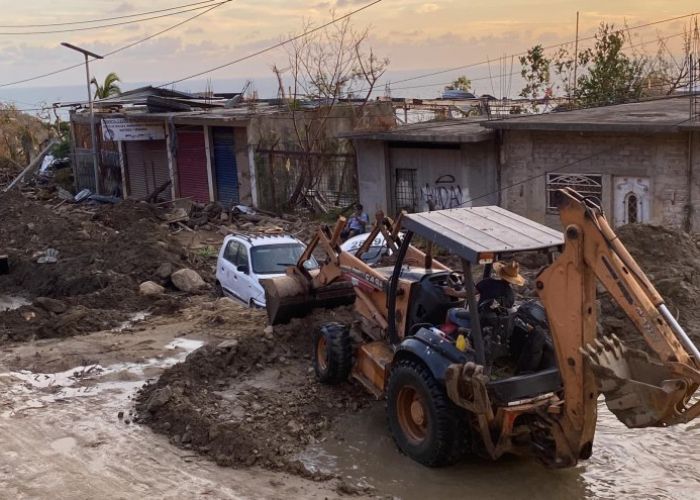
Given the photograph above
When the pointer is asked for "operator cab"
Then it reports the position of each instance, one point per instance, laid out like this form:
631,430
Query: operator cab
511,340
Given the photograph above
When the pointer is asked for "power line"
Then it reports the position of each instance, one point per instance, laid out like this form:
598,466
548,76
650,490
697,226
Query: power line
102,19
120,49
101,26
275,46
548,47
511,73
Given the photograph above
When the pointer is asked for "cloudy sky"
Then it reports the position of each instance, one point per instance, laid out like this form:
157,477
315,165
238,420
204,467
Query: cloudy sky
416,35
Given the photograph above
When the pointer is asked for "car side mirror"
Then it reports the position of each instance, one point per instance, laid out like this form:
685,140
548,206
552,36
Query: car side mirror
243,269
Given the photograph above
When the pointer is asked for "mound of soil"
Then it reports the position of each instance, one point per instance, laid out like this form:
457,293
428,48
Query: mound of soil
252,399
103,256
671,260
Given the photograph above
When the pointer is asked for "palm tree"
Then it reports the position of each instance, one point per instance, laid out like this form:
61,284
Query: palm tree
109,88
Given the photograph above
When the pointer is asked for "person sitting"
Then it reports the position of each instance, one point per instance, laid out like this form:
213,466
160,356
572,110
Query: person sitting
356,224
497,291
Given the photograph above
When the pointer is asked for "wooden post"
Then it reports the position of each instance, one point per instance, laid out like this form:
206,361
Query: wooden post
172,165
210,170
122,168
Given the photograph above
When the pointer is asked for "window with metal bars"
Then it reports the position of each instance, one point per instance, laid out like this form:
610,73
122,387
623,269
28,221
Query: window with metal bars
405,192
585,184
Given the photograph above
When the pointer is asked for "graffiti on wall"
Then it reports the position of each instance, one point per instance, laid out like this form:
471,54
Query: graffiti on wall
445,192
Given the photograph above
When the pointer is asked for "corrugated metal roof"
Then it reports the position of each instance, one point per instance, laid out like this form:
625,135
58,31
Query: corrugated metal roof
469,231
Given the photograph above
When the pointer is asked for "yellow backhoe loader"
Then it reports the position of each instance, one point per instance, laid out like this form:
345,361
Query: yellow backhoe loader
451,368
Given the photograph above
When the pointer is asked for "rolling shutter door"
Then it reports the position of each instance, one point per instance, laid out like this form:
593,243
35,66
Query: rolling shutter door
225,167
147,168
192,165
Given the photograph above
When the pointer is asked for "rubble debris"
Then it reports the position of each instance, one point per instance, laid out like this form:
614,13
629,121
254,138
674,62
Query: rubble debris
106,252
51,305
249,400
187,280
48,256
671,260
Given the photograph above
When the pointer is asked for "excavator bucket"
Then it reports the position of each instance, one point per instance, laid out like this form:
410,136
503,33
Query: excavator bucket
639,390
288,297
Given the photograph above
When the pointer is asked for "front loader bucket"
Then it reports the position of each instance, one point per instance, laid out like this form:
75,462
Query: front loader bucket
288,297
639,390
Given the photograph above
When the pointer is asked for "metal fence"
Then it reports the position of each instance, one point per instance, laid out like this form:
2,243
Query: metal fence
323,180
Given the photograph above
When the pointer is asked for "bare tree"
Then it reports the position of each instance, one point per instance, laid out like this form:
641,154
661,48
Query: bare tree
325,67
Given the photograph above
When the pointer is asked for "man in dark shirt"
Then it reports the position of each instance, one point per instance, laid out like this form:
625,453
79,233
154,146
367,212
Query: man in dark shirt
498,289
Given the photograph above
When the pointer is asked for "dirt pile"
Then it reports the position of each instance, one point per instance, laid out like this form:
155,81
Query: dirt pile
102,254
671,260
253,398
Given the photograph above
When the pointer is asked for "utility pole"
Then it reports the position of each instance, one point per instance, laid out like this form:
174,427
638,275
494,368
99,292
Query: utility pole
575,59
93,138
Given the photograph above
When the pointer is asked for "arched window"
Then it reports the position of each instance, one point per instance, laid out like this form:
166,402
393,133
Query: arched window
632,208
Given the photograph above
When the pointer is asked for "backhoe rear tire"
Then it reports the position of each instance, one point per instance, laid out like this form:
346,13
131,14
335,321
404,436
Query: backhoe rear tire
332,353
425,424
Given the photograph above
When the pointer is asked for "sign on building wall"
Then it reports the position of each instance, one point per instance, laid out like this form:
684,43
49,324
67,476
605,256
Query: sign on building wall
123,129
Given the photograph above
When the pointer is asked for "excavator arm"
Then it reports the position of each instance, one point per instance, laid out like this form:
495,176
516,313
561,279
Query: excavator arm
641,390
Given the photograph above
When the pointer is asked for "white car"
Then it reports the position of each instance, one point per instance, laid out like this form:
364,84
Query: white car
374,253
244,260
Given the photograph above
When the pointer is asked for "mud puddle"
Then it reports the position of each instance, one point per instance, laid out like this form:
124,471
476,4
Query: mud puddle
626,463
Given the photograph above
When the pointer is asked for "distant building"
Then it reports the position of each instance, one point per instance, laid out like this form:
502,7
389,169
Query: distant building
213,148
641,160
441,164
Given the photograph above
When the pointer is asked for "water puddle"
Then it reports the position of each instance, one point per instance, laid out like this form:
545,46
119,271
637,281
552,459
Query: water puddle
39,390
9,303
626,463
131,321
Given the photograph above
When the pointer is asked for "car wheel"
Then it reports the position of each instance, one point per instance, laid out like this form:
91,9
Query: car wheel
332,353
425,424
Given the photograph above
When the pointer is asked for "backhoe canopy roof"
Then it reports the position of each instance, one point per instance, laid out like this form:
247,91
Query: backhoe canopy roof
479,233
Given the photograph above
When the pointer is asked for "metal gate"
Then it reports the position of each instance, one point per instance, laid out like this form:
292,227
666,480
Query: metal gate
225,168
146,167
192,164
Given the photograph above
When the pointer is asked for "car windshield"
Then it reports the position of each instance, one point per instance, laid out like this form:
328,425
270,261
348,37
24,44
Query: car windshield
275,259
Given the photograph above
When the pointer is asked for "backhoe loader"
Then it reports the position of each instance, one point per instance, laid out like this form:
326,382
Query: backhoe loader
445,364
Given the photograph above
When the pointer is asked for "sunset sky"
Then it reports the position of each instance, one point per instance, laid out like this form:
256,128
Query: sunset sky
416,35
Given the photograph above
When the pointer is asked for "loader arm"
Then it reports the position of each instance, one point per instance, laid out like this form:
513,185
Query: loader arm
342,277
640,390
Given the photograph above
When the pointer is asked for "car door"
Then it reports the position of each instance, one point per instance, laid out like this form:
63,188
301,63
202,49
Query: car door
244,272
231,282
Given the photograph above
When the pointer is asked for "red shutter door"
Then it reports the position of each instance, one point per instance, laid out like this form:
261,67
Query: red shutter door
192,165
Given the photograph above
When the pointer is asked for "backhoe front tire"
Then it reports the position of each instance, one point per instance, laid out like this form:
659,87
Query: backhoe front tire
425,424
332,353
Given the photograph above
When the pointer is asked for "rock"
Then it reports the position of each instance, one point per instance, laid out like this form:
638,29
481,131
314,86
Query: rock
51,305
120,415
164,270
159,398
31,226
268,330
150,288
187,280
223,217
227,345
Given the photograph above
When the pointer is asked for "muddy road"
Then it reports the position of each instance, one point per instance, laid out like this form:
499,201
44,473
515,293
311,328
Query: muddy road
64,408
631,464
